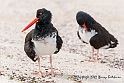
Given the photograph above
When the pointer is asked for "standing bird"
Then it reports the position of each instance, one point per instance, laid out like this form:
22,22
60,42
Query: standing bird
92,32
43,40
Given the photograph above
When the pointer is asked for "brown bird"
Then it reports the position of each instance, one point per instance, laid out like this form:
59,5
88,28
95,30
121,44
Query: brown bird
91,32
43,40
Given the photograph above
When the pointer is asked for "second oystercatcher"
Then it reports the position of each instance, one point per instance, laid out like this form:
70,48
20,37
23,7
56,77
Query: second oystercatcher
43,40
90,31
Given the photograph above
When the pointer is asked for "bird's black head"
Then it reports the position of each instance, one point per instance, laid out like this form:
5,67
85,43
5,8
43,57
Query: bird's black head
81,17
44,16
84,18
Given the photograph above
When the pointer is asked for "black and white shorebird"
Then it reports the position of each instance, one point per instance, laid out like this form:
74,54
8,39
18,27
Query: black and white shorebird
43,40
90,31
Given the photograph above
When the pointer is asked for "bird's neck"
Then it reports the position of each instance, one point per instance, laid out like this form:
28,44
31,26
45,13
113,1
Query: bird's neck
43,23
41,26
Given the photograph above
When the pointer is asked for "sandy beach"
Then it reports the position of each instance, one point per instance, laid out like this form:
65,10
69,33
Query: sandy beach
71,61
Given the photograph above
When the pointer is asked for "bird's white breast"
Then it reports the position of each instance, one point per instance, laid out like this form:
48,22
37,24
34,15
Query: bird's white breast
45,46
85,35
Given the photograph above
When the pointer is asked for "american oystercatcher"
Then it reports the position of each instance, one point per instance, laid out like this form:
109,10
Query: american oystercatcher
92,32
43,40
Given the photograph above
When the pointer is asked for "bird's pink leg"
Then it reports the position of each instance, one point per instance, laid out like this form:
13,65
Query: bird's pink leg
51,66
39,71
92,56
96,59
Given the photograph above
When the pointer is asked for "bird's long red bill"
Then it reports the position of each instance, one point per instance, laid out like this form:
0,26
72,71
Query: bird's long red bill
84,25
30,24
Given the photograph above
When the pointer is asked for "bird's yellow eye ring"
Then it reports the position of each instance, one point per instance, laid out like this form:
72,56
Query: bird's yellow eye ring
40,13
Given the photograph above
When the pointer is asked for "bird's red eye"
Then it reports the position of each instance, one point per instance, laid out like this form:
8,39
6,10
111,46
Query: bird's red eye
40,13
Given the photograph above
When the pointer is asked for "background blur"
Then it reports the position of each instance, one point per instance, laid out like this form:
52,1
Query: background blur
16,14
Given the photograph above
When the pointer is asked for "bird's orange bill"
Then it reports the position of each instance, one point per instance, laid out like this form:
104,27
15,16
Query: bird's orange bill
84,25
30,24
